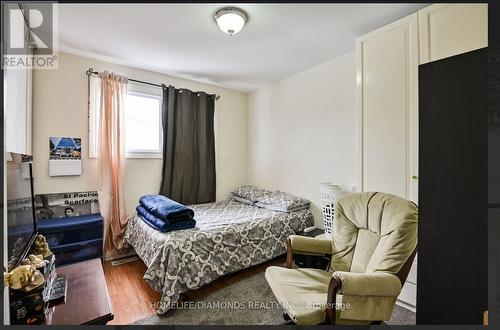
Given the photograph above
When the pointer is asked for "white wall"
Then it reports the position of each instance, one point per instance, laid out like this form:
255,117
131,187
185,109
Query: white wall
60,109
296,133
302,131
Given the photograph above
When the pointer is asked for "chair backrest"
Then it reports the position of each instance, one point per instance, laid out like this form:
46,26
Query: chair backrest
374,232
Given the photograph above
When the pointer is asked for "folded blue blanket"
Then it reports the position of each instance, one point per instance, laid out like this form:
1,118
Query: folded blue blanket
166,209
163,225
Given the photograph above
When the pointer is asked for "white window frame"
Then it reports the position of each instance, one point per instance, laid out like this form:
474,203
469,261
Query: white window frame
148,153
94,115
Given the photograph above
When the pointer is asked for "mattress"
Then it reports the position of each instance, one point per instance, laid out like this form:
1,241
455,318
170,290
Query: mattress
229,236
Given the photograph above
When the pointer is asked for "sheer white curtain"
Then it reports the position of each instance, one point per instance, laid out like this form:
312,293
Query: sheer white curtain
107,94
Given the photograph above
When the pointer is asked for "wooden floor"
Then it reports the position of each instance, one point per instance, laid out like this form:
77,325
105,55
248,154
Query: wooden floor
130,295
133,299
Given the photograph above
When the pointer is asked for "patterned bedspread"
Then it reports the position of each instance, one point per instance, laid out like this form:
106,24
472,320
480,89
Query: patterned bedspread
229,236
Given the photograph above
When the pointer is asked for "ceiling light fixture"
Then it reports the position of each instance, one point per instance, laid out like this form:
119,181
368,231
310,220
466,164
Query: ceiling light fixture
231,20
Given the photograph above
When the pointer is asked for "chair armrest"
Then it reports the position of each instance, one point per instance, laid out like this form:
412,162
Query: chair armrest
333,288
310,245
306,245
369,284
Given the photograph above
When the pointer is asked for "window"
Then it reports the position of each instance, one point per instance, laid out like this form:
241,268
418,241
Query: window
143,131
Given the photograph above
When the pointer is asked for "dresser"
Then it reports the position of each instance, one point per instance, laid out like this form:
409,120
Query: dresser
87,298
75,238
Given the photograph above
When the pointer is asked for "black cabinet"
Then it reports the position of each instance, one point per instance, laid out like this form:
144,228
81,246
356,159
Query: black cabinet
494,266
494,182
73,239
453,153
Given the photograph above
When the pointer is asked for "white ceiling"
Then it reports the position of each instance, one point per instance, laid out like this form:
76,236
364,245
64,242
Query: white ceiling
183,39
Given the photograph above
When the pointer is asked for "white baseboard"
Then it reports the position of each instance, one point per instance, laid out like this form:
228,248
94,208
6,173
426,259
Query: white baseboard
124,260
406,305
129,253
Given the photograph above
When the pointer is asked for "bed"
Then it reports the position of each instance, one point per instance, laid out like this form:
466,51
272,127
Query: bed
229,236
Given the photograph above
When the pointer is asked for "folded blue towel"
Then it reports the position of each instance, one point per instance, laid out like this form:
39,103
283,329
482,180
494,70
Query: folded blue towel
163,225
166,209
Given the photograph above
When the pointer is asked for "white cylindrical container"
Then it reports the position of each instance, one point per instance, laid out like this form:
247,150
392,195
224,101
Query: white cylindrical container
330,193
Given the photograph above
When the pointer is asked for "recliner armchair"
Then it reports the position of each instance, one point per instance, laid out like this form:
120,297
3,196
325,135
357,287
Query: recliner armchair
372,249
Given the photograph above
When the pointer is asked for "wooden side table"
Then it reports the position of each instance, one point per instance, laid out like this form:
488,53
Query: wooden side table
310,261
313,233
87,298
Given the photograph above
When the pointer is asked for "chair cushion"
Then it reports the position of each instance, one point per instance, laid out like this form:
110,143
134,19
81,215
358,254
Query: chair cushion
359,218
366,243
303,295
301,292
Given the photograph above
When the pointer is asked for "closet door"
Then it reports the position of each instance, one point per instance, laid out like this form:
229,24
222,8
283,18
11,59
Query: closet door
387,63
451,29
387,86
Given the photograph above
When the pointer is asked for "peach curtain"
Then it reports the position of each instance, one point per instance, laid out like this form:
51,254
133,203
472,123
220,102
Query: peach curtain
110,162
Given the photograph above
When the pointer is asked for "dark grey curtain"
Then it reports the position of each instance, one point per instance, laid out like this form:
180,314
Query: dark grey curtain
188,174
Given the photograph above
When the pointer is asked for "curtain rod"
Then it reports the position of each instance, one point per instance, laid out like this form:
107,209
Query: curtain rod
91,71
